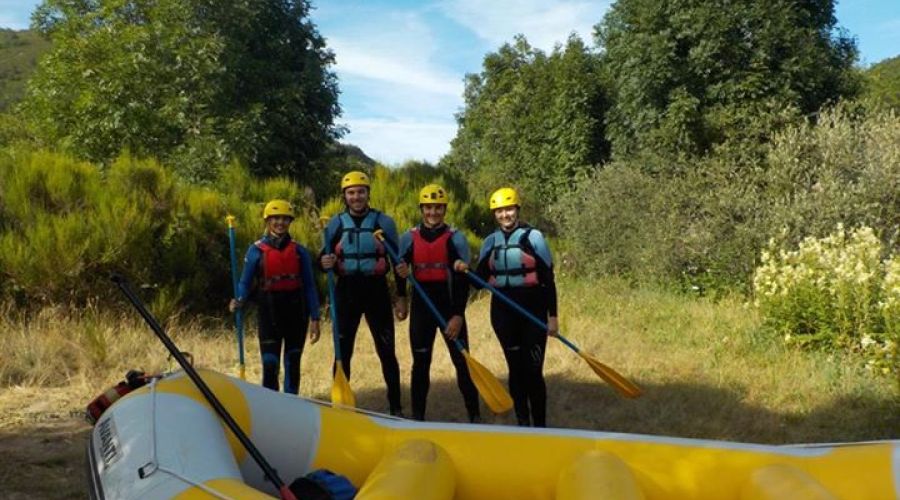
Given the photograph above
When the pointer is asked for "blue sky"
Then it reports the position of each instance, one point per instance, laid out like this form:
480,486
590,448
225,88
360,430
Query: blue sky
401,63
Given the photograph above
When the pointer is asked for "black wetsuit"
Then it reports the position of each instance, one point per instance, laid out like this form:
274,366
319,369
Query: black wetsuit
359,295
283,315
524,343
450,299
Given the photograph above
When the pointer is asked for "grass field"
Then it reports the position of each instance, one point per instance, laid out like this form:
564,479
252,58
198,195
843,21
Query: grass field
706,367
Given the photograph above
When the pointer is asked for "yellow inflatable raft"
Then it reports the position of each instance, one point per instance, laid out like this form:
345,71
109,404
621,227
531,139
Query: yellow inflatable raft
164,441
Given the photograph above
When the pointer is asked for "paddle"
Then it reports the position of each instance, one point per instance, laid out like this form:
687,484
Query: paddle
341,393
492,392
625,387
226,417
239,312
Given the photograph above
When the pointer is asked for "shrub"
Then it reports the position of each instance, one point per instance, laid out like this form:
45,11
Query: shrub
702,222
839,291
65,224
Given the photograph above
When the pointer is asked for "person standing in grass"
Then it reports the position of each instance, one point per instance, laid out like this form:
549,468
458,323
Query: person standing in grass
359,259
516,259
430,249
285,293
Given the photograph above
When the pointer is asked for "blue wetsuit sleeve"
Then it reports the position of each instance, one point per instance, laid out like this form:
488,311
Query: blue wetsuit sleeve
460,283
483,268
546,276
309,285
539,245
389,228
331,231
405,251
251,264
461,245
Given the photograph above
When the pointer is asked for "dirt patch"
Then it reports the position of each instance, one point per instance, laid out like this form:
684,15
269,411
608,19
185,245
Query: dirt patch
44,460
42,444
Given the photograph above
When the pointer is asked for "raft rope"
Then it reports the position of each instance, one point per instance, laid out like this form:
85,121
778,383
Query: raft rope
151,467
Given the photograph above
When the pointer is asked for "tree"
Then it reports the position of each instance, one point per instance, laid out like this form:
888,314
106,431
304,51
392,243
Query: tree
883,83
531,120
19,51
687,75
193,82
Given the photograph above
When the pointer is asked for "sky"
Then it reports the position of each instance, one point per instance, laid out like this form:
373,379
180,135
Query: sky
401,63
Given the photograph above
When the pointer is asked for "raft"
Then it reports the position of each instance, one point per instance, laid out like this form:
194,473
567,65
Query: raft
164,441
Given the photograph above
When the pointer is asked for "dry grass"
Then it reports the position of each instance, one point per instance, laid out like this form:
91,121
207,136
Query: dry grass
706,369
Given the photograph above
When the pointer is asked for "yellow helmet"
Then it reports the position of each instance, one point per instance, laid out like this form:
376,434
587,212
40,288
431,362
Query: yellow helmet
433,194
504,197
278,207
354,178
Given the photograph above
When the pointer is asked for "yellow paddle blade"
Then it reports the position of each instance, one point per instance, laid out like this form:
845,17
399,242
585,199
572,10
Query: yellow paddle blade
242,372
491,390
341,394
623,385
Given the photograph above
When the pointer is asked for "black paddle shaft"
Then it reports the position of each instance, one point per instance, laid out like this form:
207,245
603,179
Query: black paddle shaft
270,473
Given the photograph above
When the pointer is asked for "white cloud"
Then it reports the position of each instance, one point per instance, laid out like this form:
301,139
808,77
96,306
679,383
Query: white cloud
398,100
544,23
364,97
388,65
395,141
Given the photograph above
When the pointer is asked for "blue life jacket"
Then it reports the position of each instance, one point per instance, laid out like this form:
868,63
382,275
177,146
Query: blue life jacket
358,251
510,264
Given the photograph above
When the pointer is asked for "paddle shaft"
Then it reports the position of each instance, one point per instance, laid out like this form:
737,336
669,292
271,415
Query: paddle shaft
608,374
335,335
238,313
267,469
510,302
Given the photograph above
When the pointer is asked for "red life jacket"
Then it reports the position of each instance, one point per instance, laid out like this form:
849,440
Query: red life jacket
431,259
280,267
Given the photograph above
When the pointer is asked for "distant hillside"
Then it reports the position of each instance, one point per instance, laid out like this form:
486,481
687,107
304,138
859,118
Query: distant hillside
19,53
354,155
883,82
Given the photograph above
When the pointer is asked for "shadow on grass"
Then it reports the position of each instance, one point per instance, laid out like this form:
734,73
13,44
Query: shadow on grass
42,460
682,410
46,460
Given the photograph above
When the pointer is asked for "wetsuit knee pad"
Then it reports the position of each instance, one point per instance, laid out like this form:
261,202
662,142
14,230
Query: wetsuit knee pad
422,354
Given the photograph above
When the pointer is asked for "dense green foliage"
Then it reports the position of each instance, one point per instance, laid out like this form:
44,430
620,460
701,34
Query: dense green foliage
64,224
532,120
192,83
883,83
19,52
687,75
705,227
